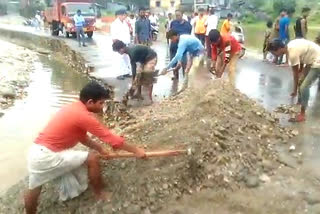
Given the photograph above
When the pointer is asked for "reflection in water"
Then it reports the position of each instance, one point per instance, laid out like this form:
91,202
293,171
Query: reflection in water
52,86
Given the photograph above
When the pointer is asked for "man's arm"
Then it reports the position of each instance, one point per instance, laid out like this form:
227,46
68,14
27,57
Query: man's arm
295,70
137,32
227,56
181,49
88,122
304,29
88,142
214,56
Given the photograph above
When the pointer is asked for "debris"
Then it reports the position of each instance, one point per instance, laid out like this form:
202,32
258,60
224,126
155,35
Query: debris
227,151
292,148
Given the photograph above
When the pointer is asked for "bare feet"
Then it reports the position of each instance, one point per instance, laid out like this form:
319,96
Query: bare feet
104,196
299,118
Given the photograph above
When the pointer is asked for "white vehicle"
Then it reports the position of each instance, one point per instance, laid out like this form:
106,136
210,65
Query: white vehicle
239,36
154,31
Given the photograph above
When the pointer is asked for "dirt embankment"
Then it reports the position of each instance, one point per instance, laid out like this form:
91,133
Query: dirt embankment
16,65
232,137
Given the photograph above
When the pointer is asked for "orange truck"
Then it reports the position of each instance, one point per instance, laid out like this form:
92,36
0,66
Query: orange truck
60,14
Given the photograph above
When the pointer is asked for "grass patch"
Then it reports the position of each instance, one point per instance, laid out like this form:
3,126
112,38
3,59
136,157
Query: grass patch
254,34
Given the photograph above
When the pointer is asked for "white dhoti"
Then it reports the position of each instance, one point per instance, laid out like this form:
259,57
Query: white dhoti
66,168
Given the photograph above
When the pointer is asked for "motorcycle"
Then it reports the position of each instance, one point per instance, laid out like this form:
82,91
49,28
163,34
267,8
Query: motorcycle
154,31
239,36
28,22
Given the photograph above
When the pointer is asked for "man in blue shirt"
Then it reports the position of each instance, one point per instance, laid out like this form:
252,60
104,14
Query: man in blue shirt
79,23
180,26
143,29
284,33
187,44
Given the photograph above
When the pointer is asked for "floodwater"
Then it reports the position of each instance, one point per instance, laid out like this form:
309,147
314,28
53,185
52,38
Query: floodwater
52,86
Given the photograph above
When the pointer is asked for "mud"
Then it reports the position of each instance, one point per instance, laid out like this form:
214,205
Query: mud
233,140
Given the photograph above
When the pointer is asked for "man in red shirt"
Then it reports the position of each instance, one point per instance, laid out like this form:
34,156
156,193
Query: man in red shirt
224,51
52,157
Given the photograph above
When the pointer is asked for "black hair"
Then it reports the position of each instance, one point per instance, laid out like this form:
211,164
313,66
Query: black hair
229,15
211,11
269,24
93,91
172,33
306,9
117,45
196,14
150,56
214,35
78,11
275,45
142,9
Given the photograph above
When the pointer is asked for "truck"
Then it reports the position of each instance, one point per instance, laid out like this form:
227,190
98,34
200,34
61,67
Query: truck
59,16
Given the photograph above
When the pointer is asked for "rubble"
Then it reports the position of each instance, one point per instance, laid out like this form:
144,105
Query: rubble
16,65
231,136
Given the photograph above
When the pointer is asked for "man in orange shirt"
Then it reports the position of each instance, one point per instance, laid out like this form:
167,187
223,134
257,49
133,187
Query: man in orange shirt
200,26
52,157
226,26
224,51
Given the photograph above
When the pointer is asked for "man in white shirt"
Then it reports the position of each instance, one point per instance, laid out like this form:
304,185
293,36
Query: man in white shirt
132,21
304,58
153,19
119,29
193,21
79,23
211,24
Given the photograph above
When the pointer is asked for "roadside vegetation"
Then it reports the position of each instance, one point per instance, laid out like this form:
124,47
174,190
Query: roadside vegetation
255,14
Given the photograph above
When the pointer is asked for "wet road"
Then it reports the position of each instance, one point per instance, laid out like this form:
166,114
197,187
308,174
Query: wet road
264,82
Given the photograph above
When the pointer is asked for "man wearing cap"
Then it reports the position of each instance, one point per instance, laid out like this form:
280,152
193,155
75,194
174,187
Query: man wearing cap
119,28
79,22
143,29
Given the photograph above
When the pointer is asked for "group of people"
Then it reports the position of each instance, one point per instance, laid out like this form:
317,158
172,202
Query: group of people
220,48
131,29
301,54
53,157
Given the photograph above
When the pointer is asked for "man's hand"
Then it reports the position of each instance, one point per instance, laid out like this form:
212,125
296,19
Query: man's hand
164,71
104,152
140,153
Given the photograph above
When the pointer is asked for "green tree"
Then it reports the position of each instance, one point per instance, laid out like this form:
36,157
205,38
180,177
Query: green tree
257,3
288,5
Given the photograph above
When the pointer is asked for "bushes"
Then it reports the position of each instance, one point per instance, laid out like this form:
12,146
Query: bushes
30,11
249,18
288,5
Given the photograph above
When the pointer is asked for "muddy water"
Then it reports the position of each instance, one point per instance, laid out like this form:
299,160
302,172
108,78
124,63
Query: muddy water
52,86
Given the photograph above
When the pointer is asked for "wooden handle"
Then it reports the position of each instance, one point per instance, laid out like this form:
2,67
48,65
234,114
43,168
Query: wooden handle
148,154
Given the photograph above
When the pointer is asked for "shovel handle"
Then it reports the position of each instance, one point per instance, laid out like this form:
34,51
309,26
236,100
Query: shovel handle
148,154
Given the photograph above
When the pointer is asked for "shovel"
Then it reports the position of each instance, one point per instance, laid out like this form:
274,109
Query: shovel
162,153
